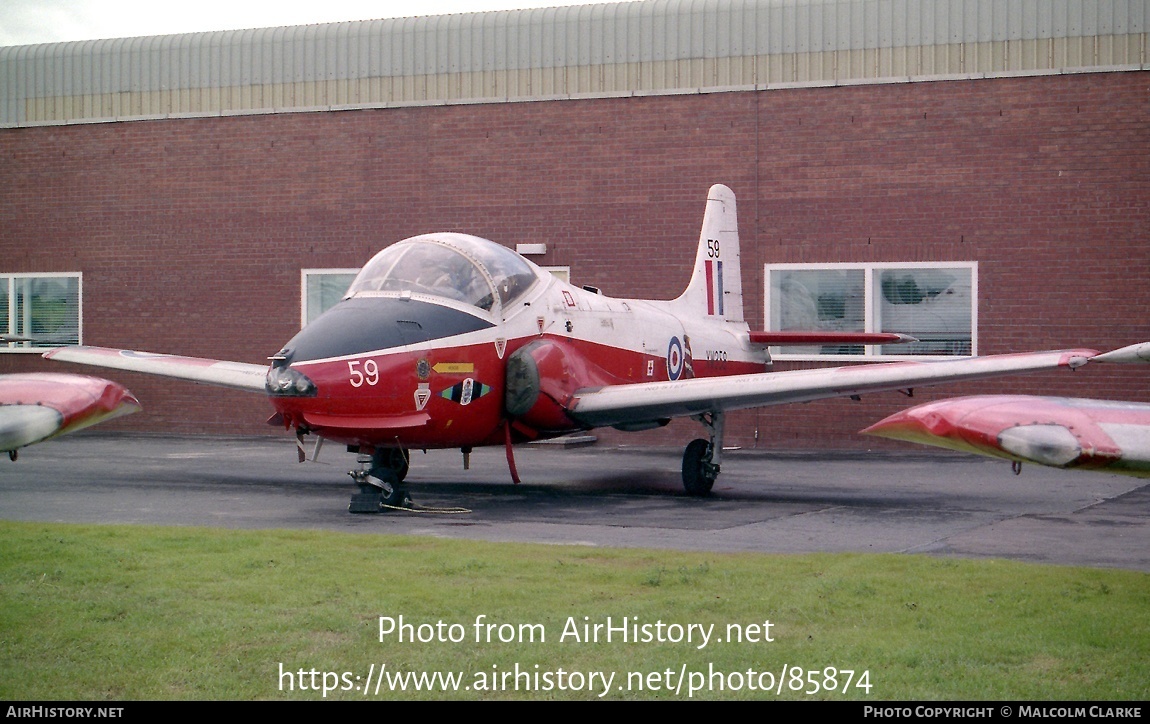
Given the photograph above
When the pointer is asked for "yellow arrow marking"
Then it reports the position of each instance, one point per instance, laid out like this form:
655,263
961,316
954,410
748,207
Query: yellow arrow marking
454,367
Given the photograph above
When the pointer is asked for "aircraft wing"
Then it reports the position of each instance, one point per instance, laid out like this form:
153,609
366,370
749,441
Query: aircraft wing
648,401
38,406
236,375
1060,432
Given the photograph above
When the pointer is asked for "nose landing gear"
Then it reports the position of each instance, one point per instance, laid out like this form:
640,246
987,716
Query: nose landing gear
379,478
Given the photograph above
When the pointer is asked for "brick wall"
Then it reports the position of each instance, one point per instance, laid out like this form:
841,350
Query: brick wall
191,232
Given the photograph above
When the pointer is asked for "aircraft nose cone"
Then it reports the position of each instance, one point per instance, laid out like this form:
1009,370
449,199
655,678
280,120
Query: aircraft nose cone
119,399
359,325
918,424
42,405
952,423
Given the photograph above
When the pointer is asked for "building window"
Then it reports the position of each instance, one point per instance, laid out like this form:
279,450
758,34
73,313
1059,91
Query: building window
563,273
321,289
39,311
937,303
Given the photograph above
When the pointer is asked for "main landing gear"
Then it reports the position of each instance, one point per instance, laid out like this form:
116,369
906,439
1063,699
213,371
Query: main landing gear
380,477
701,458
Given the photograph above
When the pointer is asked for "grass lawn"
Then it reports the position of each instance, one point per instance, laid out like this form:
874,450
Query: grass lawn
131,612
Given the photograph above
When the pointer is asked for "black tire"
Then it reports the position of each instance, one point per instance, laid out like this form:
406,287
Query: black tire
697,478
395,497
388,462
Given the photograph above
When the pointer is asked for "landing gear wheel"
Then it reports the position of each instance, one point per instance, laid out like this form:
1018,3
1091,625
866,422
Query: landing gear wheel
699,472
388,462
379,479
394,497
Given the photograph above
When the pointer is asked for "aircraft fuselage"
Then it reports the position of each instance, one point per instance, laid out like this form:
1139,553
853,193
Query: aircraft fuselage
419,370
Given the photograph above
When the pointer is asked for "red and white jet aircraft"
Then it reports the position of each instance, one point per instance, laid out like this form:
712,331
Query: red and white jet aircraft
448,340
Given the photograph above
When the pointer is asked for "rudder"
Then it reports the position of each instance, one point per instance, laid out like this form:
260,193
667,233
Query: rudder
716,287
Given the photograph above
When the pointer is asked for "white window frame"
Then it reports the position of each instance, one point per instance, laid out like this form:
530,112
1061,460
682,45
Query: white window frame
871,272
563,273
303,278
28,347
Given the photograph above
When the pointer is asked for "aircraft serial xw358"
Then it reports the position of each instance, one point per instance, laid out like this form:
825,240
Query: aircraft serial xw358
448,340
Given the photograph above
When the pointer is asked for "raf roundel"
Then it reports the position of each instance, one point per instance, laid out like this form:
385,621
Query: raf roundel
674,359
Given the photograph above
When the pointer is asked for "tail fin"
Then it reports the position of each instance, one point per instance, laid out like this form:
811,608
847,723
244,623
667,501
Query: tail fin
716,287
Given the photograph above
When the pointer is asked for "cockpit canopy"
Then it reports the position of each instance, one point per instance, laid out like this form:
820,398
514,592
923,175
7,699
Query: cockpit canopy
455,266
